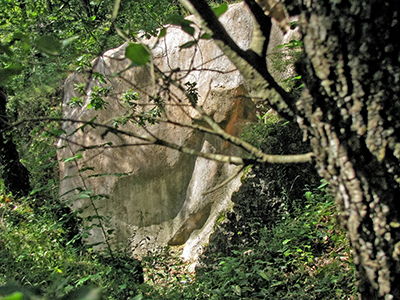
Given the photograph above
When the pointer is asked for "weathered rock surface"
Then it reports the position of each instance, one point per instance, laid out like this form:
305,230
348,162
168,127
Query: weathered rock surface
160,199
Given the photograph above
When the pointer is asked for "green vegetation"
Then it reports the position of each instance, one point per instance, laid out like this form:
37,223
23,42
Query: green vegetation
37,252
40,43
281,241
304,256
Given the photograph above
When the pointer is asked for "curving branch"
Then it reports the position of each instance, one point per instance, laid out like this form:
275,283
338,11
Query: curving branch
225,182
215,129
251,65
262,29
153,140
276,10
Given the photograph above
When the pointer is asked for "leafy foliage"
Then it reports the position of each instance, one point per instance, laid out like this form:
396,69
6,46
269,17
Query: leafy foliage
40,43
276,244
220,9
36,252
304,256
281,241
282,61
138,54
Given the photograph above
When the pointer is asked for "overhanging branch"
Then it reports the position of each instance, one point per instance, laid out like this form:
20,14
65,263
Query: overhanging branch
153,140
262,29
251,65
256,154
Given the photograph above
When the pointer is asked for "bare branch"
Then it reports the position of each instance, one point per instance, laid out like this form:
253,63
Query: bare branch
225,182
99,146
251,65
153,140
276,10
235,160
255,153
262,29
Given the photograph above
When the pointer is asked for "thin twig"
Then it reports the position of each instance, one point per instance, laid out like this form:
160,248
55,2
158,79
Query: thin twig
225,182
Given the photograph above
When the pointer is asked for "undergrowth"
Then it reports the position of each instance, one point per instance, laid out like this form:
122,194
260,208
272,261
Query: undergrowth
37,255
304,256
281,241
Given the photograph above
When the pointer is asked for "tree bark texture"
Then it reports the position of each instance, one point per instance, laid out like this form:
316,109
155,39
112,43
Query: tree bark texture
14,173
351,111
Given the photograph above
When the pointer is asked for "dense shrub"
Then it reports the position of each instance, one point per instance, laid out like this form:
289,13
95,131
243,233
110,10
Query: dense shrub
278,242
36,254
281,240
305,256
270,192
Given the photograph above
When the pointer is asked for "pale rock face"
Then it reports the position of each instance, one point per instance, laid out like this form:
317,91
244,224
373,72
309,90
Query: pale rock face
161,198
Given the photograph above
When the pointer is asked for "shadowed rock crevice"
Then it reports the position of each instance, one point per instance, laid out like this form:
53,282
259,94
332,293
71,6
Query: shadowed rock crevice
196,220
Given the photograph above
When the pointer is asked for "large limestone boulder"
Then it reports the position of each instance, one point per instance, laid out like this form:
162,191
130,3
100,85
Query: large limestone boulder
154,195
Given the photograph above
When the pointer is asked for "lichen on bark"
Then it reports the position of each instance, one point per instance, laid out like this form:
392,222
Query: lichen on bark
349,110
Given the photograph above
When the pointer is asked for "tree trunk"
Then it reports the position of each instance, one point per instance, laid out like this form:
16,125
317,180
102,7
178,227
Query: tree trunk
351,112
14,173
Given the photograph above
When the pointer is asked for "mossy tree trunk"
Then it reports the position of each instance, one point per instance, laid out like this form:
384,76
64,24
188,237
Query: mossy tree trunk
350,111
14,173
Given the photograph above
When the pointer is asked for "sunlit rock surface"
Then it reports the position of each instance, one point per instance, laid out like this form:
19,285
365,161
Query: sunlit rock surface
156,196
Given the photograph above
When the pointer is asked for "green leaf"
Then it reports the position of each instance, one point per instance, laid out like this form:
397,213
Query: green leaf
5,49
56,131
87,278
291,44
72,158
263,275
323,184
68,41
287,253
84,195
14,296
220,10
206,36
139,54
162,33
138,297
188,29
308,195
8,72
187,44
49,44
181,21
278,283
19,36
237,290
37,190
178,20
